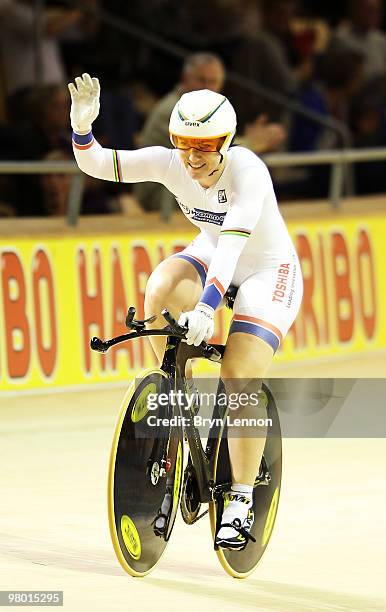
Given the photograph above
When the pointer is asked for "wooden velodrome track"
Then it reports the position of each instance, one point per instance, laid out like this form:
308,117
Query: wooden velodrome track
327,550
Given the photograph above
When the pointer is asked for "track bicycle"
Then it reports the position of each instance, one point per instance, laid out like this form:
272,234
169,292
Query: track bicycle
147,482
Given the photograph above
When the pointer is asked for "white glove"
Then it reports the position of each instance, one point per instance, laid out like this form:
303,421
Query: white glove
200,324
84,103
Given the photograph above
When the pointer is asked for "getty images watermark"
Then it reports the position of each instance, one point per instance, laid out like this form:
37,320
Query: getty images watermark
191,401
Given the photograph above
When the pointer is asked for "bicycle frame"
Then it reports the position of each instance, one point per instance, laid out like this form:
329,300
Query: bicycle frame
175,358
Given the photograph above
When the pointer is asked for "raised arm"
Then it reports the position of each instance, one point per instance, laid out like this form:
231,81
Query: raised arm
150,164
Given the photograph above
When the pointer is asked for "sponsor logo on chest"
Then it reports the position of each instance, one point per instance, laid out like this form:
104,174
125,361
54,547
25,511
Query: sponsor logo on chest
206,216
202,216
222,196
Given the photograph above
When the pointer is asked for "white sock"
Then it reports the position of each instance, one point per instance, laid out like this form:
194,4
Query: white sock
246,490
236,509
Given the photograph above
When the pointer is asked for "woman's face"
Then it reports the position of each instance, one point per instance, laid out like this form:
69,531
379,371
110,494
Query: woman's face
199,164
199,156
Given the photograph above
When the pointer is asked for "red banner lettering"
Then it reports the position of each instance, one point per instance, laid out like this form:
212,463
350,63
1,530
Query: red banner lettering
343,293
367,296
41,274
15,317
92,305
119,310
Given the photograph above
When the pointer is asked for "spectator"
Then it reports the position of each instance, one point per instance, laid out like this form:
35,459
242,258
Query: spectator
269,57
80,45
341,78
18,46
200,71
46,122
55,190
219,27
362,33
55,187
278,18
368,120
45,128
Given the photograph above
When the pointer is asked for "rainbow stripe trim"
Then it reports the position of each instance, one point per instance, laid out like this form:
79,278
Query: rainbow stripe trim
205,117
257,327
117,167
213,293
236,232
200,266
82,141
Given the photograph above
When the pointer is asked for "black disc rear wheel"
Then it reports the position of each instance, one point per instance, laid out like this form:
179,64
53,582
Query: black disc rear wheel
242,563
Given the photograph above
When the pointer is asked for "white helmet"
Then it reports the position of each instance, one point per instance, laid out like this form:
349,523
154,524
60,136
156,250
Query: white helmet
203,114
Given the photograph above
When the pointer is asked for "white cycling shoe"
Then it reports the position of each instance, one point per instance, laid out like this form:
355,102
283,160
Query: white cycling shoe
235,534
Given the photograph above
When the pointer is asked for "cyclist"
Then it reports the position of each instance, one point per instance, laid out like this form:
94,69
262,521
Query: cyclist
227,194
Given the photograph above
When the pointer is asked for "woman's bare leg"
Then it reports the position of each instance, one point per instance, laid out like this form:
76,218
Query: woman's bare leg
174,284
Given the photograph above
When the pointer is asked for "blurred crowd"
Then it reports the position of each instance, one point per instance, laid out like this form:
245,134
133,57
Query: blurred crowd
330,57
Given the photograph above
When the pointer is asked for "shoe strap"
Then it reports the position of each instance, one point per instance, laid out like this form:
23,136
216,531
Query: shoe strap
241,530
